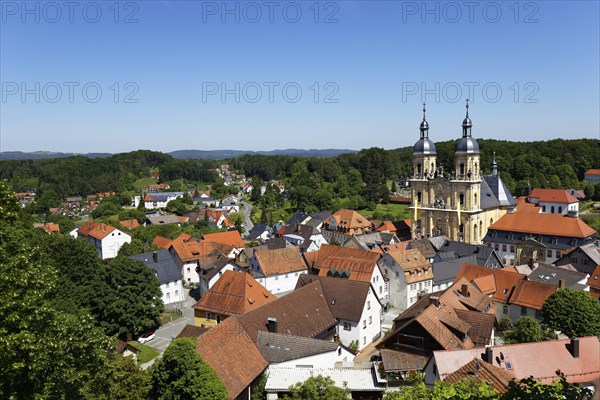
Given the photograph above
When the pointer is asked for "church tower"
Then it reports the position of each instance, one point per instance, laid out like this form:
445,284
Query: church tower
467,181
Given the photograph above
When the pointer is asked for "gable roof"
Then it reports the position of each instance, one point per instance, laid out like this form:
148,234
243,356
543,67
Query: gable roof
213,263
231,352
165,243
494,193
192,331
130,223
504,283
280,261
234,293
231,238
303,312
424,246
553,274
482,371
258,230
277,348
552,196
413,262
163,265
532,294
592,172
543,224
95,230
373,241
346,299
349,220
537,359
594,282
590,249
443,322
360,263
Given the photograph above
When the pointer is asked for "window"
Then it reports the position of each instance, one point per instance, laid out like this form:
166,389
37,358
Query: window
218,318
368,305
461,199
420,285
286,276
364,340
512,249
397,274
168,296
188,269
523,310
549,253
462,168
168,284
380,289
496,246
364,323
208,315
276,277
573,259
584,261
505,309
347,326
503,247
418,197
370,320
538,313
177,293
543,209
552,210
560,210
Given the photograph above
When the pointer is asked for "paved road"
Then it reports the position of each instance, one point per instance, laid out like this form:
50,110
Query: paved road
246,210
168,331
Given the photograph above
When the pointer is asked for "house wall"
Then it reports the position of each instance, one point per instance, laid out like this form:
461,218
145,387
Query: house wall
205,286
323,360
367,329
200,318
282,283
110,245
379,283
546,208
401,295
581,261
172,293
514,312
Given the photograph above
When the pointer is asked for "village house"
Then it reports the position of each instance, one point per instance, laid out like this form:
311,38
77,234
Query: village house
278,270
154,201
105,238
344,223
49,227
410,275
592,176
233,293
211,267
168,275
130,224
231,238
554,201
584,258
577,358
529,233
354,304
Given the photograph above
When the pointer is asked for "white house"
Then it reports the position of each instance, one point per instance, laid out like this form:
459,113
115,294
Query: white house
409,274
168,275
355,305
283,350
106,238
211,272
278,270
554,201
153,201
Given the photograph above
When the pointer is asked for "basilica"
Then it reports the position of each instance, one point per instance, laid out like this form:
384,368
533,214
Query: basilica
460,204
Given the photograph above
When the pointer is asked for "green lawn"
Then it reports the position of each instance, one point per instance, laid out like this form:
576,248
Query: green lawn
146,353
399,211
142,184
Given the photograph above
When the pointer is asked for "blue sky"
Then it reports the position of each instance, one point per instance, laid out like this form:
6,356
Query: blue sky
270,75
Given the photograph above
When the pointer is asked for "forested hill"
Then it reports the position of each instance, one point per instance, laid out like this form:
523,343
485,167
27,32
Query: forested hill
185,154
555,163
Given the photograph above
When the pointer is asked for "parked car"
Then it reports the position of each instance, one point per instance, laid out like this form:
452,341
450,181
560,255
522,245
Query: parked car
146,337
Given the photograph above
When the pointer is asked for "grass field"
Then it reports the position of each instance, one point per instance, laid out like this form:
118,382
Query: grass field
142,184
398,211
146,353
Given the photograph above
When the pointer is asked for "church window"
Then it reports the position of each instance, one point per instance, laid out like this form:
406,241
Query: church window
419,169
461,199
461,228
560,210
475,168
544,209
491,221
432,167
418,197
462,168
475,199
552,209
475,232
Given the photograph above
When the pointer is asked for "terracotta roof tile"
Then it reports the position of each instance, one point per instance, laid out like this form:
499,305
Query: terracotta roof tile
280,261
592,172
594,281
130,223
192,331
350,221
230,238
360,263
233,354
552,196
482,371
532,294
416,267
95,230
234,293
526,221
505,282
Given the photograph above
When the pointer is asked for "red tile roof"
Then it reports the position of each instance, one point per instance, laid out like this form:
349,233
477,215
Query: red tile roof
130,223
361,263
482,371
594,282
234,293
233,354
280,261
230,238
525,221
552,196
98,231
532,294
592,172
350,221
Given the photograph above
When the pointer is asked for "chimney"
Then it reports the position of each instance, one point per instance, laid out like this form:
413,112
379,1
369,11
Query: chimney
489,355
464,290
574,347
272,324
561,284
155,256
435,300
530,263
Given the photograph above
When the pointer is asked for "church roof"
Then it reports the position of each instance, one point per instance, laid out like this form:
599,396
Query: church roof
494,193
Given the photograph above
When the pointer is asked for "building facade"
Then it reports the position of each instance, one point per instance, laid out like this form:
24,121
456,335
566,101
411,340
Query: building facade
460,204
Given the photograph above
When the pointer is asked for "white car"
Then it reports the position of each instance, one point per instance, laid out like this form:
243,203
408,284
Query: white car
146,337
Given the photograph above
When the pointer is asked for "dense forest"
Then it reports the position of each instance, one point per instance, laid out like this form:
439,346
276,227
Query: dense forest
314,182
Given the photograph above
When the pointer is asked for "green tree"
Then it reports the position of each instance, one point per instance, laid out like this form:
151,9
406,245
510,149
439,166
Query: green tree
44,353
177,206
574,312
130,382
137,247
258,392
317,388
526,329
182,374
236,218
128,298
256,188
394,186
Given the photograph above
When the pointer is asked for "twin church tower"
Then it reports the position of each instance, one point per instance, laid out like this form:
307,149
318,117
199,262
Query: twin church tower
460,204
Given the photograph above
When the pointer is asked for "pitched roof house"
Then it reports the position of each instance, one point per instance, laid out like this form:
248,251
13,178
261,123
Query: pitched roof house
106,238
584,258
278,269
233,293
167,272
594,283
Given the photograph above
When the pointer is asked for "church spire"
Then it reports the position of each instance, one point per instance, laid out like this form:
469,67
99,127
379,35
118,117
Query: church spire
467,124
424,127
494,165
